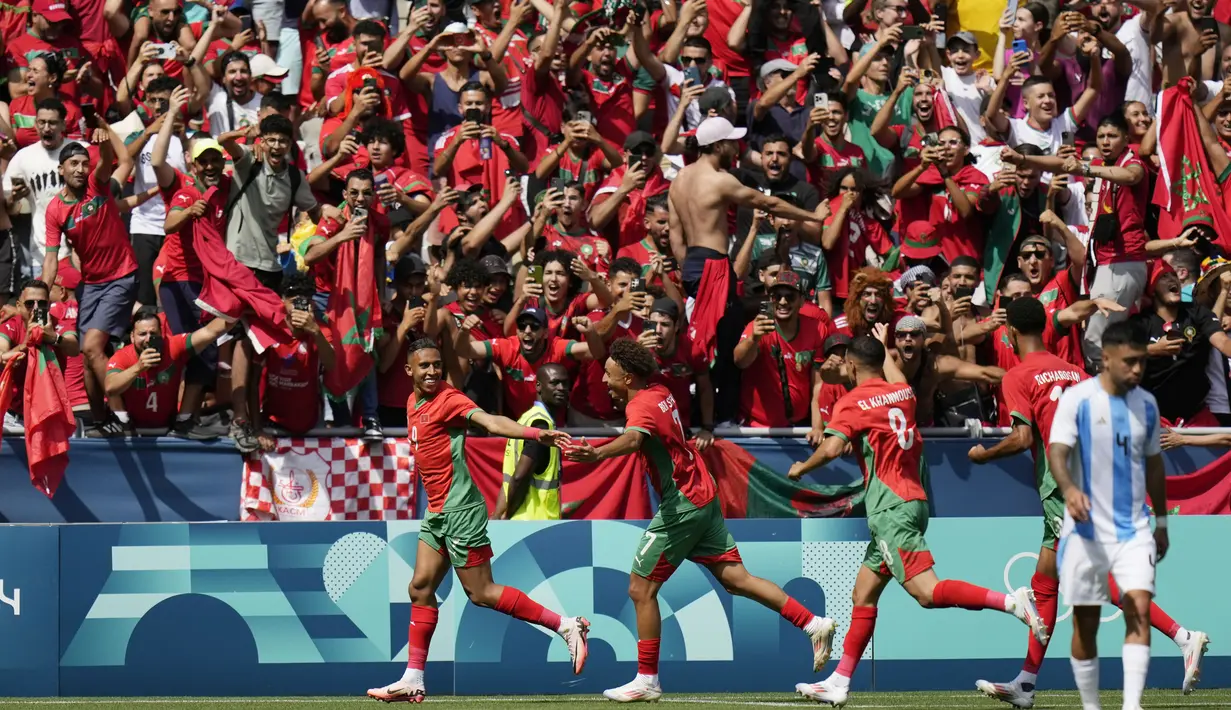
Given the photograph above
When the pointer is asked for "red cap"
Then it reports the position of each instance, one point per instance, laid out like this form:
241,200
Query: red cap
921,241
1157,269
67,276
52,10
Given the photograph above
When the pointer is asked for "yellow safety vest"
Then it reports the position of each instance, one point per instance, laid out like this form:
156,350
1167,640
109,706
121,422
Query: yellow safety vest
542,500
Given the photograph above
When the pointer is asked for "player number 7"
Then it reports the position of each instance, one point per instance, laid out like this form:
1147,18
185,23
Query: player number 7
650,538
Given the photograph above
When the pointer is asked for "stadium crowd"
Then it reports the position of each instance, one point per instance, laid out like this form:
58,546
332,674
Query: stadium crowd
231,220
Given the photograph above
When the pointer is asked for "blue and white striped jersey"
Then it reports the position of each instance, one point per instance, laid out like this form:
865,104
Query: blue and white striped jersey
1110,438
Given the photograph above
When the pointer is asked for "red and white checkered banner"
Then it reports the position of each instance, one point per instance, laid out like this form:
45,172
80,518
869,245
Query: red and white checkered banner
330,479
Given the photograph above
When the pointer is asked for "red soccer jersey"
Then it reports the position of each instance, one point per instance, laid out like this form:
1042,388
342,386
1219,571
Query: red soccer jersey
437,432
26,47
679,370
849,253
882,415
592,249
23,111
588,170
506,108
291,386
325,270
542,101
831,159
519,375
152,400
1129,204
177,259
1058,294
488,327
590,396
64,315
94,230
677,471
1032,390
781,364
722,14
613,102
561,322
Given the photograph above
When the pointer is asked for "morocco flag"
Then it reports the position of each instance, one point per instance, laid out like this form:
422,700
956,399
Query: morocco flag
354,312
48,416
1203,492
1187,189
748,488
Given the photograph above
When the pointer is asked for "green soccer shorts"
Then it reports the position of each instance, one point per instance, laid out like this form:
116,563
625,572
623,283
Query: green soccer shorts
460,535
1053,519
898,547
697,534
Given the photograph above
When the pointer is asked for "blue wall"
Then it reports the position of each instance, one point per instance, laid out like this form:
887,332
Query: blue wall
321,608
164,480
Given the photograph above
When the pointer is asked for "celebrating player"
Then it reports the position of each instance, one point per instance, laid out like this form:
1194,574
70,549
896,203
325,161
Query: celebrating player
1106,430
454,530
1032,390
688,524
878,417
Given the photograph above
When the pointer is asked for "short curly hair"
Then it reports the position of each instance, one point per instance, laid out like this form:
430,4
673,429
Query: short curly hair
634,358
467,272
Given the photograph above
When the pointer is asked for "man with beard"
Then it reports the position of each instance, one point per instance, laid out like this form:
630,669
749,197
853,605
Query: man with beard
531,489
33,175
51,31
609,78
327,38
520,356
926,371
619,205
85,216
777,175
542,95
778,112
700,197
234,104
656,247
1182,336
165,23
568,230
870,302
1134,33
830,152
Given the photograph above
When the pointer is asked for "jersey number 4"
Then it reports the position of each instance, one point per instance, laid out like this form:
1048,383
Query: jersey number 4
903,429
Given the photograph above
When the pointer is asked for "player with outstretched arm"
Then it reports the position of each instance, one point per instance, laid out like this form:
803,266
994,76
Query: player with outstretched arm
1106,456
878,418
454,530
688,524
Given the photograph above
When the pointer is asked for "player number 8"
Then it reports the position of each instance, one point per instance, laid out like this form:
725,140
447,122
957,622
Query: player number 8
905,432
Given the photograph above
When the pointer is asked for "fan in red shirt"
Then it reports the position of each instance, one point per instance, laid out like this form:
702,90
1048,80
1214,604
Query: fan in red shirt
850,231
145,374
43,75
781,353
35,307
830,152
870,302
681,364
509,48
569,232
291,380
590,401
542,96
519,357
327,45
558,291
618,209
608,80
51,31
583,156
64,309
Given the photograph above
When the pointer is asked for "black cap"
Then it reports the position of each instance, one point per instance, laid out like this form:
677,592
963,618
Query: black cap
495,265
667,307
715,98
71,150
538,314
639,139
408,266
838,340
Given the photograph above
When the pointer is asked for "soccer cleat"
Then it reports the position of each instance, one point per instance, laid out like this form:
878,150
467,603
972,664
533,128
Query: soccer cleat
1024,609
639,690
824,692
1010,693
822,643
575,634
1194,652
399,692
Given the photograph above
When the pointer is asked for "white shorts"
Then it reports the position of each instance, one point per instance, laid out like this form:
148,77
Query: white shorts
1085,564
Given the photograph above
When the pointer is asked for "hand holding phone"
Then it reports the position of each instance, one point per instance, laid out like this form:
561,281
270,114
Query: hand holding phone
536,274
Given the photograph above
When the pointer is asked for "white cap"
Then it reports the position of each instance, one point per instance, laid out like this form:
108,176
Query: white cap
455,28
716,129
264,65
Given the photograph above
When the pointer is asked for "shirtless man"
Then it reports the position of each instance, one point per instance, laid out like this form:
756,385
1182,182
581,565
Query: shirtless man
700,198
926,370
1180,37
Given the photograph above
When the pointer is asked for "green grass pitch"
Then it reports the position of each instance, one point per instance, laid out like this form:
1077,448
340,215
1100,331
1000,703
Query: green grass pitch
949,700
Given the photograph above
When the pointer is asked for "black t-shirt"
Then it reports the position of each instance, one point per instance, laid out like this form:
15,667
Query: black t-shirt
1180,382
799,192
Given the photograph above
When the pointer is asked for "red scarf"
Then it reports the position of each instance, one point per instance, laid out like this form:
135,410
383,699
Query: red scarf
48,415
354,312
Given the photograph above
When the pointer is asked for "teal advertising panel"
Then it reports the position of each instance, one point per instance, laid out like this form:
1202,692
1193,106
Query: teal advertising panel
29,610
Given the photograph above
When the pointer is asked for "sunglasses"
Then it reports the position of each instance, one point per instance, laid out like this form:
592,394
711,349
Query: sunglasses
32,304
685,61
530,325
1039,254
910,333
784,295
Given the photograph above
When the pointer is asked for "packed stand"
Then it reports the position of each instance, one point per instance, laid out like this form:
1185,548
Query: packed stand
232,220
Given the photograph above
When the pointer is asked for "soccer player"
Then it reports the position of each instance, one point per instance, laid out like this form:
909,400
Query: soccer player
1106,431
878,417
454,530
1032,390
688,524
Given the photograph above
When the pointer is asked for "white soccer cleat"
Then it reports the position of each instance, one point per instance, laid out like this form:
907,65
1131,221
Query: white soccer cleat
822,643
1194,652
639,690
1025,610
575,633
399,692
824,692
1010,693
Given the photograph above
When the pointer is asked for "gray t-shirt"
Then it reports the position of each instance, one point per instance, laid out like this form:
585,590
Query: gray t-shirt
252,232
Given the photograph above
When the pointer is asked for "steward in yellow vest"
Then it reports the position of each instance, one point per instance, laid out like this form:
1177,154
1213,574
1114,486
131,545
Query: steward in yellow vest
531,489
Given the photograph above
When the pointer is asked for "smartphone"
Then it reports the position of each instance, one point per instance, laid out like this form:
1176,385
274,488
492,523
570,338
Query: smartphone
1066,138
767,309
557,184
693,74
820,100
536,274
165,51
1175,332
474,115
963,291
245,23
90,112
416,302
359,213
1020,45
585,116
1207,24
637,285
301,303
670,264
154,343
941,12
910,32
41,315
931,140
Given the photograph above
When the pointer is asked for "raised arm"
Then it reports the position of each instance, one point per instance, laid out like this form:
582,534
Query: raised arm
734,191
503,426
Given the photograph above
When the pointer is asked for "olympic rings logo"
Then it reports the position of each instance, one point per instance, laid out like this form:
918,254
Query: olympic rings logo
1068,611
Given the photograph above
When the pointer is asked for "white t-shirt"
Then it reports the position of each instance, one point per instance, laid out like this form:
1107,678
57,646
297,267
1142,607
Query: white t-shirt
220,117
675,78
150,216
1020,131
40,168
967,101
1140,85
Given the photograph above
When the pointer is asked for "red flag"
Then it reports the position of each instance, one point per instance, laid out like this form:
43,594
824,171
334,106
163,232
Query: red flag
48,418
1187,189
6,385
1222,11
748,488
354,312
1205,492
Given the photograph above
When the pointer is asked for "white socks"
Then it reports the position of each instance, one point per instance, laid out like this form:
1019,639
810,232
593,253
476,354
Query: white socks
1136,658
414,676
1086,675
838,680
1024,679
122,416
1181,636
648,679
